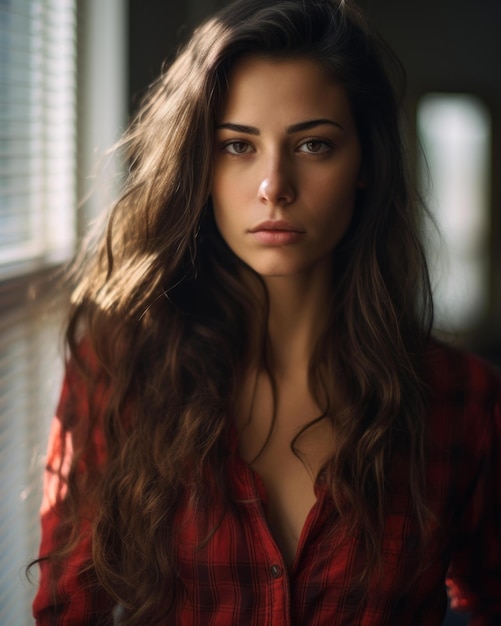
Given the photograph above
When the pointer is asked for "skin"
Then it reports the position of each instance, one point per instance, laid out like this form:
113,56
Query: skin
269,166
286,155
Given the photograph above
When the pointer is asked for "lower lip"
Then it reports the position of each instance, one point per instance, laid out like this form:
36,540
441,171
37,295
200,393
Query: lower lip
277,237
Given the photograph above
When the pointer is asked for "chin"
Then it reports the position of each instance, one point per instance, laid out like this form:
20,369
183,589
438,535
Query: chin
275,263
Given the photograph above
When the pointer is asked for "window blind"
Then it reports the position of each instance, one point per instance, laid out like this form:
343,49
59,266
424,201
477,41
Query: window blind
37,132
37,214
30,375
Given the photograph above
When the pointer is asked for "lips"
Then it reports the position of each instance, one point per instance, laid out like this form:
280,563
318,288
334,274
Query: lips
277,233
276,225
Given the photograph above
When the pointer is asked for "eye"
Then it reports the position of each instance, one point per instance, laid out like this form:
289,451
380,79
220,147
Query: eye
237,147
314,146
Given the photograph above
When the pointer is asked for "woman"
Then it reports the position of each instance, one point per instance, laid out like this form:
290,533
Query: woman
255,427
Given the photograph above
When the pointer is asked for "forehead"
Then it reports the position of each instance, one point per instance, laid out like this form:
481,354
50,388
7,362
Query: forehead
261,87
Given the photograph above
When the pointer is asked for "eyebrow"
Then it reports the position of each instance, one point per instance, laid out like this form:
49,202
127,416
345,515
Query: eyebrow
294,128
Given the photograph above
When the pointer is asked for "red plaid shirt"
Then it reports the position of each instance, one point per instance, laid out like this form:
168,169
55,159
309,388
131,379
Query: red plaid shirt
240,578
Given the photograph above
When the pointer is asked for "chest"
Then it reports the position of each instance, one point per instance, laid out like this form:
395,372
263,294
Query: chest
239,571
285,444
287,468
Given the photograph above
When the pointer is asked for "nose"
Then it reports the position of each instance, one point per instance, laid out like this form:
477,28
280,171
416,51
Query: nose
277,186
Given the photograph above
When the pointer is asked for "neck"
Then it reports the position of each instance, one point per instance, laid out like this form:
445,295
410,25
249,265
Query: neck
299,308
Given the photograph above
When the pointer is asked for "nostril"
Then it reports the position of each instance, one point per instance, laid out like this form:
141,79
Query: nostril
276,191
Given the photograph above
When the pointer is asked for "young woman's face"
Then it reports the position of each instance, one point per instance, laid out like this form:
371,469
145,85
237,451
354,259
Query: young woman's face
287,163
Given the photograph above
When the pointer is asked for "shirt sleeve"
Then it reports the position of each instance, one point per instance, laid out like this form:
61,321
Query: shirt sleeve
68,592
474,577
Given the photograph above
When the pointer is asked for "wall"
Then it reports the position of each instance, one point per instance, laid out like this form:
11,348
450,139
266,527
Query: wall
454,46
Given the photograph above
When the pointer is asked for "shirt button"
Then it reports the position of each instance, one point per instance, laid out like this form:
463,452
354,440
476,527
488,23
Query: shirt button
276,571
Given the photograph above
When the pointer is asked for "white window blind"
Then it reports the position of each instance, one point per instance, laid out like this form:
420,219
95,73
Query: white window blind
37,132
30,374
37,215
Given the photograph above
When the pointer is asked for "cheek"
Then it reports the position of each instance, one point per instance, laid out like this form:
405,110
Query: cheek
218,215
225,216
336,225
336,195
338,207
230,202
225,196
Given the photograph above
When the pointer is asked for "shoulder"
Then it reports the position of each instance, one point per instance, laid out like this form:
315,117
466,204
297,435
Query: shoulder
452,373
464,396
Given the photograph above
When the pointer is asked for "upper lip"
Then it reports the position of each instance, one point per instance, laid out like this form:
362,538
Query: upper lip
276,225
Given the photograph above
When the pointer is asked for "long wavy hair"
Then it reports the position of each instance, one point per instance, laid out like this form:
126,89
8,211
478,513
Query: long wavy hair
159,306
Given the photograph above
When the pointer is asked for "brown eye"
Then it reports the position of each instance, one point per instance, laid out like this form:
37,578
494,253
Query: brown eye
237,147
314,146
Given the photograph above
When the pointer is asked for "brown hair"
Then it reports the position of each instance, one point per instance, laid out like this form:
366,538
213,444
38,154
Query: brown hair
159,304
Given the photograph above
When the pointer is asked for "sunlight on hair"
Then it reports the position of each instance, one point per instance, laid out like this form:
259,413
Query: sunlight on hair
454,130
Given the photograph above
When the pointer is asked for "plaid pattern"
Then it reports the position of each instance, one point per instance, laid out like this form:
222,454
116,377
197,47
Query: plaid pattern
239,577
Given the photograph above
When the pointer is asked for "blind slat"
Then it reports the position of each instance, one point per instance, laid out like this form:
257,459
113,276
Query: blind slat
37,207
